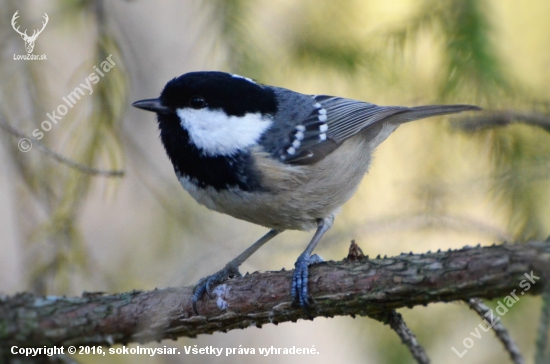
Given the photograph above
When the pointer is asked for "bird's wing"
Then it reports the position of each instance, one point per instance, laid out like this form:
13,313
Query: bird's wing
335,119
332,121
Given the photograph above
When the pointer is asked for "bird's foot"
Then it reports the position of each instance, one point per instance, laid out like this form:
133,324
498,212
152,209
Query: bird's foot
205,284
299,291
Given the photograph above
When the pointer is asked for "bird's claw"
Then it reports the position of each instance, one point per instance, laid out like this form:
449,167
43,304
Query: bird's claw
204,285
299,291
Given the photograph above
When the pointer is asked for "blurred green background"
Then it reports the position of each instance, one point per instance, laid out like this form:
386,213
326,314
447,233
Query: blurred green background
433,184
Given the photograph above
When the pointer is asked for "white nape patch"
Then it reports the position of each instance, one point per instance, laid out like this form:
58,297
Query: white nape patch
216,133
244,78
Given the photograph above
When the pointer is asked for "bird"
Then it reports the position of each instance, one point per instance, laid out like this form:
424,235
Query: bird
271,156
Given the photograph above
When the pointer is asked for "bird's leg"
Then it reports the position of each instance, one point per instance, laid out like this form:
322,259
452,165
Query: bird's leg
300,278
230,270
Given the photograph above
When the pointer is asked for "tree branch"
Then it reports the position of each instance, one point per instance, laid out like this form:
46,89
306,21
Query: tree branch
58,157
500,331
356,286
490,119
541,354
396,322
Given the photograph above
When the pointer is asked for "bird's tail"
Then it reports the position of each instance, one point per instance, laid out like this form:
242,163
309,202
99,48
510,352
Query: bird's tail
421,112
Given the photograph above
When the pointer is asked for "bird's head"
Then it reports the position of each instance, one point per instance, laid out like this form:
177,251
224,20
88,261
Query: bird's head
220,113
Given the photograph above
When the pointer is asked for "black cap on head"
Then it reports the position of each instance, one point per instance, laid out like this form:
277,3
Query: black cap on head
235,95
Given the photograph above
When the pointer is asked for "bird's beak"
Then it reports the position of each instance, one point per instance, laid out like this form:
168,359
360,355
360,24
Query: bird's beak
151,105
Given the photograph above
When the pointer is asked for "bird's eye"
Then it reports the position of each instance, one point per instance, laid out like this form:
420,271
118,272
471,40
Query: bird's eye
197,102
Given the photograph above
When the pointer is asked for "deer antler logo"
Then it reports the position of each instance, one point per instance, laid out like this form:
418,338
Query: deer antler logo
29,41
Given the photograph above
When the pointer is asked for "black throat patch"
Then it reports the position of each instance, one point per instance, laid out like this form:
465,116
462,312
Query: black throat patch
218,172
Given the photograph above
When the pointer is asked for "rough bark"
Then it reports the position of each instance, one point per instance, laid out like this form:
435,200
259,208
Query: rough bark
355,286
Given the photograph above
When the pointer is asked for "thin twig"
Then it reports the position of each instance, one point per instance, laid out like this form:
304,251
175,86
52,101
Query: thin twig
61,159
491,119
396,322
542,336
501,332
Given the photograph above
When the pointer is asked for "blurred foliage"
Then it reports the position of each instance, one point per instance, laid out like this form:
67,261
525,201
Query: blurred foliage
232,18
55,244
472,64
474,70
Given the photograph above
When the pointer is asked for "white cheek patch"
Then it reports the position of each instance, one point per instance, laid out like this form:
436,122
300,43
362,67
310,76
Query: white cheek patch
216,133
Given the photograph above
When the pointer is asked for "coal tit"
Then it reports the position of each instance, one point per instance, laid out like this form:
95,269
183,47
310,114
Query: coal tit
271,156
